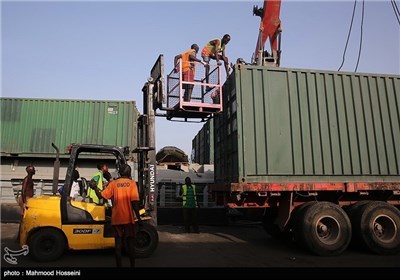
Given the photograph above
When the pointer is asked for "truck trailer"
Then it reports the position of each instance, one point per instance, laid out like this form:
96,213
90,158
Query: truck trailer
319,151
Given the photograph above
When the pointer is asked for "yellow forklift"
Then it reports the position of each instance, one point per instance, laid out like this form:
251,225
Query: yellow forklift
54,223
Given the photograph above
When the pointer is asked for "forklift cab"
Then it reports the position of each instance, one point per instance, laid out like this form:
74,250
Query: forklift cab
75,211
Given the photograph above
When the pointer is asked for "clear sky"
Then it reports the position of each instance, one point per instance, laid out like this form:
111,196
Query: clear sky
104,50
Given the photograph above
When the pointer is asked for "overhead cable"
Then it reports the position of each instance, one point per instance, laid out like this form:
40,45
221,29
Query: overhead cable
348,35
361,35
396,10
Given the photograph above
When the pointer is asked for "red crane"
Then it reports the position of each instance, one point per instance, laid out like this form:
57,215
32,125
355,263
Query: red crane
270,27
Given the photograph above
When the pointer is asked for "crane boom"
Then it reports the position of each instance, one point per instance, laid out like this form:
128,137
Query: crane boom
270,27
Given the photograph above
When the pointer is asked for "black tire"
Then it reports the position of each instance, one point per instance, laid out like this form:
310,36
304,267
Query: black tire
47,244
326,229
297,221
146,240
353,210
377,225
268,223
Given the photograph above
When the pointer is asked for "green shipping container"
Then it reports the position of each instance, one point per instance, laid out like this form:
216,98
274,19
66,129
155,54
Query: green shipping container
296,125
29,126
203,144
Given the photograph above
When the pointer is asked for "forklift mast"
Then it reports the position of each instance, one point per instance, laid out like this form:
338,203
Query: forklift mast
153,100
147,169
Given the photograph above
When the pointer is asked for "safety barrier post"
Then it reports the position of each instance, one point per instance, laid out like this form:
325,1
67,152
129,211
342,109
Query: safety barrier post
205,196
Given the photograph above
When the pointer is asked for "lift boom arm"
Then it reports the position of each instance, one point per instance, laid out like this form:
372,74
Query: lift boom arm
270,27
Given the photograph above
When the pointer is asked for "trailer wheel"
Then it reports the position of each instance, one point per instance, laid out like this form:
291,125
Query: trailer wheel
268,223
326,229
146,240
47,245
354,213
377,225
353,210
297,221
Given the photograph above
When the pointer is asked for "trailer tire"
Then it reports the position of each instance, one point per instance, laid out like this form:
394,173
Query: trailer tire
326,229
268,223
47,244
353,210
377,225
297,221
146,240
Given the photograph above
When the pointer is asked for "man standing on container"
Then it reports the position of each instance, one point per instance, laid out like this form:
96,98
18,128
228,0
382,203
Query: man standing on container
190,205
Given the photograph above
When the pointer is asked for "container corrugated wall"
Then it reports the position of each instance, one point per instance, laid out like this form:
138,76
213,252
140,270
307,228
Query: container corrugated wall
29,126
210,141
304,125
203,144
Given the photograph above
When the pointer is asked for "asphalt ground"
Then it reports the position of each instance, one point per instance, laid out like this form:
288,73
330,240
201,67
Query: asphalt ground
240,245
236,248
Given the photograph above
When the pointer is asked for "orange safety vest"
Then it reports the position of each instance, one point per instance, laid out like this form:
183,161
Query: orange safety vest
186,63
210,49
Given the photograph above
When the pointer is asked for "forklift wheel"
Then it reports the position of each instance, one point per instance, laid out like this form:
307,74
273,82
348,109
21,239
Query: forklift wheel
47,244
146,240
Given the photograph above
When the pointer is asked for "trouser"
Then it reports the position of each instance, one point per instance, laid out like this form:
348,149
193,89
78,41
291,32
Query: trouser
190,219
22,206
